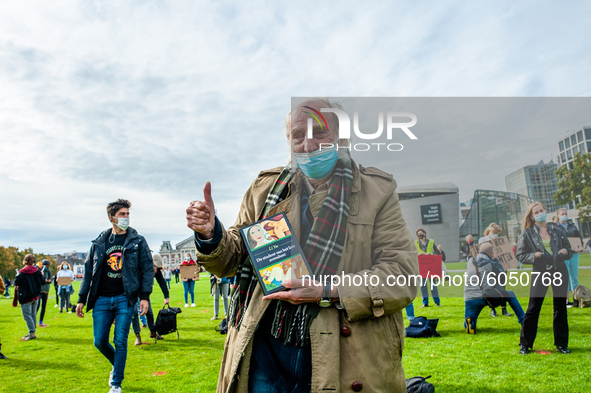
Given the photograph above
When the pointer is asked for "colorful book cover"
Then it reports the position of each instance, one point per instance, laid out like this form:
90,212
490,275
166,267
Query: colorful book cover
276,255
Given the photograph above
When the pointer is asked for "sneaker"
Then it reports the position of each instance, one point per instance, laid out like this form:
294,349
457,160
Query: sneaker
111,376
186,305
438,305
193,305
138,339
145,325
115,389
523,350
214,318
69,312
469,328
56,306
506,313
42,325
424,305
493,312
29,337
563,350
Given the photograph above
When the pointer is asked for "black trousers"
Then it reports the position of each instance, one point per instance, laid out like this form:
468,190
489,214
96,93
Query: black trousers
42,304
537,294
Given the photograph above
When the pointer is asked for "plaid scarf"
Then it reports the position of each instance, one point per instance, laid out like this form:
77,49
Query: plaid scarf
323,250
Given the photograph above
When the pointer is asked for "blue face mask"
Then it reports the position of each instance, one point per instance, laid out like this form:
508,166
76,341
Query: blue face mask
540,217
563,218
318,164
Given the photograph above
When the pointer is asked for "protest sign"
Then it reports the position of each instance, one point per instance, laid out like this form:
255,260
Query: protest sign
429,265
473,250
576,244
504,252
65,281
189,272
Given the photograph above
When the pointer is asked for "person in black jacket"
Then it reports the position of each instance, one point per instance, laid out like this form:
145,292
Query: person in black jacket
28,282
546,246
135,322
118,270
572,264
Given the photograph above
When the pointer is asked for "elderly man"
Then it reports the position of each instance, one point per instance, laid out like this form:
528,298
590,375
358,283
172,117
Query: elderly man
477,271
349,223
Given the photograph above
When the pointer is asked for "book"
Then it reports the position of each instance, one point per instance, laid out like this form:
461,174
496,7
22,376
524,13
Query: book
275,253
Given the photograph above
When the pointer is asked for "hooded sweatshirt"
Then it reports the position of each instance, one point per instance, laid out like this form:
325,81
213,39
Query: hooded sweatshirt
29,281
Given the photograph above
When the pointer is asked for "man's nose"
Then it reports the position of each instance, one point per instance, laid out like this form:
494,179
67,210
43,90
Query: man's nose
310,145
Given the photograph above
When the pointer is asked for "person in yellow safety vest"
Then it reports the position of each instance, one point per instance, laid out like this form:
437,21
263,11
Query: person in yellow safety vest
427,246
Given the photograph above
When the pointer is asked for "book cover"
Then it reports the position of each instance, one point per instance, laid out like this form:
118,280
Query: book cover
276,255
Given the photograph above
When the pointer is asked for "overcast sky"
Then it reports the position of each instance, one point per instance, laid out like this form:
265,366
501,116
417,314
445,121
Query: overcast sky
147,100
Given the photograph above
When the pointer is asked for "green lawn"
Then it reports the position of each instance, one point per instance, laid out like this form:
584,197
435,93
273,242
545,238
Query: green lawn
64,358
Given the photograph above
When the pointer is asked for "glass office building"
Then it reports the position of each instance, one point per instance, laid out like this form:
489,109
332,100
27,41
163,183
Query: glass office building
539,182
504,208
577,142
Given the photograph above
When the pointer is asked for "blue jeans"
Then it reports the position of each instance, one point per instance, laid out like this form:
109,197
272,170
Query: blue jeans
189,287
425,292
167,282
572,265
107,309
278,367
475,306
410,312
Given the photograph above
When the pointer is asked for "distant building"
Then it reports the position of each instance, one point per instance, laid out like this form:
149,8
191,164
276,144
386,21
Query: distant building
435,208
504,208
173,256
576,142
539,182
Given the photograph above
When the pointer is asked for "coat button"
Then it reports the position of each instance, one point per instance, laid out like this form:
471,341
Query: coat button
345,331
357,386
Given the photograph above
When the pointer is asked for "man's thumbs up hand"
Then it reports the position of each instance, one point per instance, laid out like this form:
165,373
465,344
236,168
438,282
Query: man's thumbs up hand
201,215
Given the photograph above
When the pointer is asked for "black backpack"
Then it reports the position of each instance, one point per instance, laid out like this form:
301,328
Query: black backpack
422,327
419,385
166,321
223,327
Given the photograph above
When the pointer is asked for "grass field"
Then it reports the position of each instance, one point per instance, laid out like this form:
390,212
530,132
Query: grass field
63,358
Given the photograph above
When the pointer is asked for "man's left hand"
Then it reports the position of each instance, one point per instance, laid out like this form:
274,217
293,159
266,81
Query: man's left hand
300,291
166,301
144,305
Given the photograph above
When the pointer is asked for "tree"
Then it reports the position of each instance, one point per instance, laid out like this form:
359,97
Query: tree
11,258
575,185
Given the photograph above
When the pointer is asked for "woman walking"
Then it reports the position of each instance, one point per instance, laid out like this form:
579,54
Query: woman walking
65,290
572,265
44,291
546,246
28,284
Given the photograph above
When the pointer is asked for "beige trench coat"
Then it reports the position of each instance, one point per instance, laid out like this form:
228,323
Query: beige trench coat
377,243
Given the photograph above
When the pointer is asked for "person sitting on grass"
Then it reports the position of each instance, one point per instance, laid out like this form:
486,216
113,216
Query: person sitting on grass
28,284
492,232
477,283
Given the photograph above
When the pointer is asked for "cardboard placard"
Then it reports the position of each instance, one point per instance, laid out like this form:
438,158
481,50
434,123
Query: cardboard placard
473,250
429,265
504,252
65,281
189,272
576,244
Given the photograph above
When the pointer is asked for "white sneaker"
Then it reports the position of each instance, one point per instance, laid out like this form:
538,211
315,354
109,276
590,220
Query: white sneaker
186,305
115,389
193,305
56,306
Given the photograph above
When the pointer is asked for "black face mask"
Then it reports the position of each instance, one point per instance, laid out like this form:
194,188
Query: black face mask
421,236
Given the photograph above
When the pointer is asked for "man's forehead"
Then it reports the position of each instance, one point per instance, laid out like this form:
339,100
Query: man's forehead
301,112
